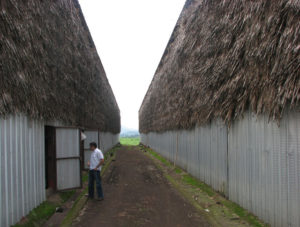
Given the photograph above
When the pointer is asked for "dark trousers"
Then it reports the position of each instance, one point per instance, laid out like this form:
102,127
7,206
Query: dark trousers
95,175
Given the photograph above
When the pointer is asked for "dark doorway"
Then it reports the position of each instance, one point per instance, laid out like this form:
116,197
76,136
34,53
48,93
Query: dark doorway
50,157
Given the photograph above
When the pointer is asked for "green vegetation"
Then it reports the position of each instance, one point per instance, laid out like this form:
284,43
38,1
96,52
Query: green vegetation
241,212
188,179
81,200
134,141
85,177
66,195
78,205
159,157
39,215
207,198
178,170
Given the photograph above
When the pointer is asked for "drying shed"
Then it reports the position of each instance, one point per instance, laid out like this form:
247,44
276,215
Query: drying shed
52,86
224,102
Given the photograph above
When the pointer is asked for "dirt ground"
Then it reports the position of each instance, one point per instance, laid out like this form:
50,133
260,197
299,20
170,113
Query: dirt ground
137,194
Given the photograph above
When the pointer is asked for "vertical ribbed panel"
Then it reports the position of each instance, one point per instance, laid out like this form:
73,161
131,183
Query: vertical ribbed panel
256,164
262,174
68,153
91,136
202,151
22,170
293,160
108,140
68,174
67,143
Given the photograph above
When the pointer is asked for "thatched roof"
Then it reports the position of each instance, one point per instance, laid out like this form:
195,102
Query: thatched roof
226,57
50,68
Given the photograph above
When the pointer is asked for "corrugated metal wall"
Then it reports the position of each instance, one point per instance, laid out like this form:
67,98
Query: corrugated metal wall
107,141
91,136
202,152
264,167
68,158
22,170
22,164
255,162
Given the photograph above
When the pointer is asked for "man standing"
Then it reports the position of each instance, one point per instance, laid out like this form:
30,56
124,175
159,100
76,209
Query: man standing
95,163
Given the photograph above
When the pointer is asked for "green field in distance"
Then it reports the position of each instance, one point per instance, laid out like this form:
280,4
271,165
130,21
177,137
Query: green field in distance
134,141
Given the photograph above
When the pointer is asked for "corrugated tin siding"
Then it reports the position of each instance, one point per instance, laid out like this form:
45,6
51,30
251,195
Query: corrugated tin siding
68,168
67,143
107,141
91,136
22,170
264,167
202,152
68,174
256,163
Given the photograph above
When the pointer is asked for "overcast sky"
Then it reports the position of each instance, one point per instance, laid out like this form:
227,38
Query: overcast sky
131,36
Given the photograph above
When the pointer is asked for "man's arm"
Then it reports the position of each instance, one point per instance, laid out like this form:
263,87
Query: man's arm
101,158
100,164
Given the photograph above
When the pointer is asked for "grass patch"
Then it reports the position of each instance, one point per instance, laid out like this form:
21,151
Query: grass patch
66,195
81,200
242,213
78,205
178,170
159,157
130,141
39,215
188,179
189,186
85,176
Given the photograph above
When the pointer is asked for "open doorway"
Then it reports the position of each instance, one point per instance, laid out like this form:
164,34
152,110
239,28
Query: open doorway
62,158
50,157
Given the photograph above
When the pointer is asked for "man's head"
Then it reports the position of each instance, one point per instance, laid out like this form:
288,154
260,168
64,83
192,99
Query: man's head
93,146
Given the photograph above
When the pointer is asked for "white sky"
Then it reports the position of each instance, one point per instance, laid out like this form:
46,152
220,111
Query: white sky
131,36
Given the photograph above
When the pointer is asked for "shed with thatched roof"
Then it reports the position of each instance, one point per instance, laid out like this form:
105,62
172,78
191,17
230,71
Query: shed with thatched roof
224,102
52,85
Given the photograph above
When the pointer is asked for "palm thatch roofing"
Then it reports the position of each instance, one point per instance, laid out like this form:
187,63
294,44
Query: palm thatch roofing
50,68
223,58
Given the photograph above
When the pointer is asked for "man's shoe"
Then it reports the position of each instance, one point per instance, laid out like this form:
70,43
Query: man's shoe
100,199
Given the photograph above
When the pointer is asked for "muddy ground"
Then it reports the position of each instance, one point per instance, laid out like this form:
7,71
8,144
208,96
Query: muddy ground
137,194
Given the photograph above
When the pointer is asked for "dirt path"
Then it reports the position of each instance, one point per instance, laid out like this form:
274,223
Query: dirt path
137,194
